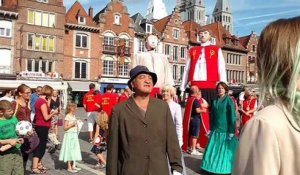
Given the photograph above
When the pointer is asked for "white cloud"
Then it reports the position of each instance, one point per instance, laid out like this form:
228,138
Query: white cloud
268,15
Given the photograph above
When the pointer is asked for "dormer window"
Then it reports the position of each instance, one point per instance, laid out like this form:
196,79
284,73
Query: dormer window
148,28
117,19
81,20
176,33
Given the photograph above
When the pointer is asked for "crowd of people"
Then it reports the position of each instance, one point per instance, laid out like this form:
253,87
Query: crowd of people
144,134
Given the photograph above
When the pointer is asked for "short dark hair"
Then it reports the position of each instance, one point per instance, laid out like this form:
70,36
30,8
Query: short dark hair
224,85
7,91
92,86
109,87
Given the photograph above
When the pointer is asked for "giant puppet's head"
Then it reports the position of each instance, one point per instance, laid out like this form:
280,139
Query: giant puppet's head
151,41
205,35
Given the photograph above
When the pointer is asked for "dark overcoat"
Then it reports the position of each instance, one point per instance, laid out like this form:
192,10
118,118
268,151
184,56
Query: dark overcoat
139,145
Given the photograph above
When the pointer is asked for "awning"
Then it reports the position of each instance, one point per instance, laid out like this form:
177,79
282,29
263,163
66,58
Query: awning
11,84
80,86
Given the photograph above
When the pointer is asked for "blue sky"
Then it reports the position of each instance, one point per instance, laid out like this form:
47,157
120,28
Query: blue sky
249,15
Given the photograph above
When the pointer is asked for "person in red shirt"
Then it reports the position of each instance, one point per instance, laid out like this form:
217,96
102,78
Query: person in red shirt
109,99
125,95
91,109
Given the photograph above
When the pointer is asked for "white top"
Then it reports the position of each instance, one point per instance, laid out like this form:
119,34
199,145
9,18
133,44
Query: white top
200,69
177,118
157,63
71,119
7,98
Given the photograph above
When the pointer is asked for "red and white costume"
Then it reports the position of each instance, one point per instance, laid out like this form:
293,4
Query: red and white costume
205,67
204,126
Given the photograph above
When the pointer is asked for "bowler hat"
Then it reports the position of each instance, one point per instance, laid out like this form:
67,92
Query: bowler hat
137,70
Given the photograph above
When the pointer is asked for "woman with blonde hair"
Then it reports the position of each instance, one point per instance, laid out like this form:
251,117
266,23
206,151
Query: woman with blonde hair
43,117
70,149
269,143
168,93
100,139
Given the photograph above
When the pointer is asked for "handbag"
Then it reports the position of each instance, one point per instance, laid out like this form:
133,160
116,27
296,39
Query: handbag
31,142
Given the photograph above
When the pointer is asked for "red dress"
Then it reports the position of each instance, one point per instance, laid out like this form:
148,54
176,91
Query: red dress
204,127
247,106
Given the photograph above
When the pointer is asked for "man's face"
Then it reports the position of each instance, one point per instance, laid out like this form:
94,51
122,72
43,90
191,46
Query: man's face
152,41
204,36
143,83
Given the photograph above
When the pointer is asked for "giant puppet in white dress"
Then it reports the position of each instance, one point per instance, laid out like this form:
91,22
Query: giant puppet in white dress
155,62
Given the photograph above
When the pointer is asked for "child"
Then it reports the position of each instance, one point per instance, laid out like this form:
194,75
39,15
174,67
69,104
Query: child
10,155
100,139
70,150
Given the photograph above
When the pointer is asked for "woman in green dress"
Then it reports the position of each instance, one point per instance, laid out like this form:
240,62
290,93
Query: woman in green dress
220,152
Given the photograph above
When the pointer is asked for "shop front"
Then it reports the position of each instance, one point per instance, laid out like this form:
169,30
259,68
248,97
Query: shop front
78,89
119,83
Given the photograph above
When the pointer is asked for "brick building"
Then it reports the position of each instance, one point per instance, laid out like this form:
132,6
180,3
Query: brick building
250,43
116,29
8,17
81,49
40,36
175,42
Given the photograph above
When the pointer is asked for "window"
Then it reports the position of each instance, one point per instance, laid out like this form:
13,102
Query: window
141,45
176,33
181,71
5,28
44,1
175,53
81,40
81,20
253,48
0,3
40,18
167,49
41,42
175,72
123,68
182,52
34,65
6,61
108,40
148,28
108,66
80,69
117,19
213,40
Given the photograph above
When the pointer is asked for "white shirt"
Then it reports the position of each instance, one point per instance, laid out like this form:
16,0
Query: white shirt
157,63
177,118
7,98
200,69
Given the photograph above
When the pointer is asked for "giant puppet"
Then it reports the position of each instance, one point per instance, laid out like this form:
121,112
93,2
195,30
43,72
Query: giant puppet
155,62
204,69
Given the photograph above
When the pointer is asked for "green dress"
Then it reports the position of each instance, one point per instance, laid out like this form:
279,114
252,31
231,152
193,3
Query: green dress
220,152
70,149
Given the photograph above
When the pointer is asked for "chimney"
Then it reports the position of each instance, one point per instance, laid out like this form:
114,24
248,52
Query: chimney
91,11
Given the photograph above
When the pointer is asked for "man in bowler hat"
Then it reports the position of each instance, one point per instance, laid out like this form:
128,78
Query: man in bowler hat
142,136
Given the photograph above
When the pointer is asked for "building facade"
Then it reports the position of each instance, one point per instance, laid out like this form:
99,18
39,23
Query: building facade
175,43
116,44
81,49
8,20
40,36
250,43
192,10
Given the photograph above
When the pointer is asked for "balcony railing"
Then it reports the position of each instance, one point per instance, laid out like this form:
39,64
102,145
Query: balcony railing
111,49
